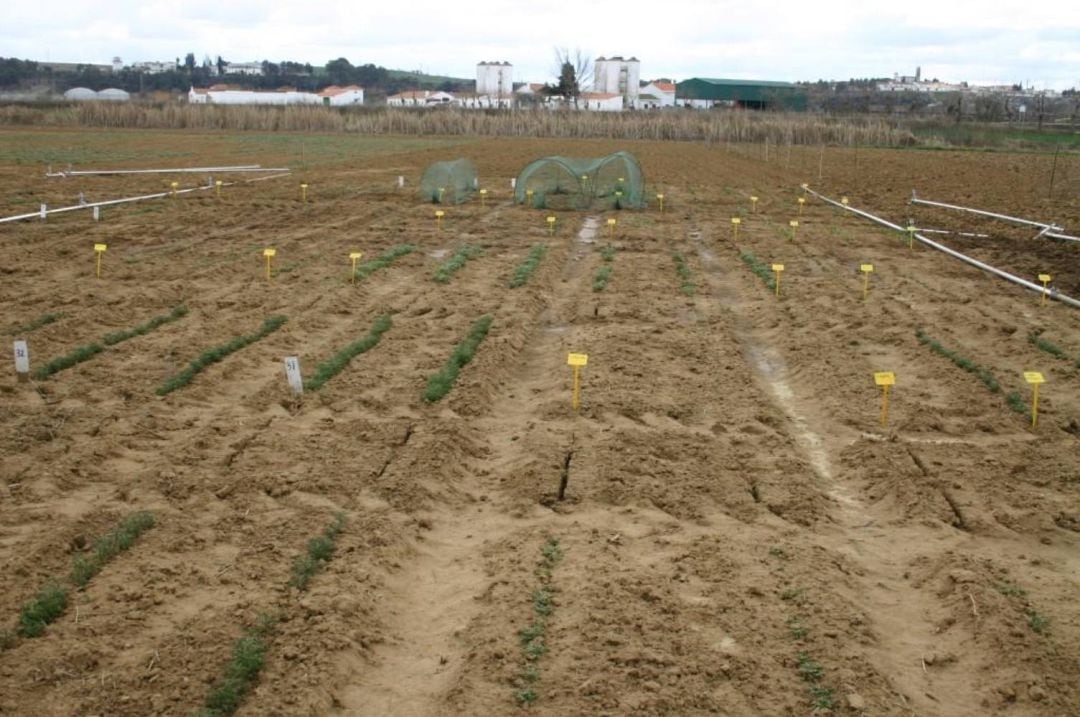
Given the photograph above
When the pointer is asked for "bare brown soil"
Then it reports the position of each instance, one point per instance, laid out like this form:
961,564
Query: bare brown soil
739,533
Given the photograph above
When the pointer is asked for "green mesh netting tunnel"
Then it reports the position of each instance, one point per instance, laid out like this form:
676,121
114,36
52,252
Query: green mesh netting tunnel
614,181
451,182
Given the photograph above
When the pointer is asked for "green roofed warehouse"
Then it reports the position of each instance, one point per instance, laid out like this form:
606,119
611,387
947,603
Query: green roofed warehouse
751,94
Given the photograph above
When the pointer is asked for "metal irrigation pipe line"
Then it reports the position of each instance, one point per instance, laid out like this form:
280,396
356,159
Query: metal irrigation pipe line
127,200
1052,293
193,170
1049,230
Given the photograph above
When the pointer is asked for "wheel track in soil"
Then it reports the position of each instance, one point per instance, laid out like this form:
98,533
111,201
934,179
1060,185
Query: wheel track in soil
905,626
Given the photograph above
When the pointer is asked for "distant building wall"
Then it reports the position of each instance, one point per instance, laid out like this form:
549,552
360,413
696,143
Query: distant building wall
494,78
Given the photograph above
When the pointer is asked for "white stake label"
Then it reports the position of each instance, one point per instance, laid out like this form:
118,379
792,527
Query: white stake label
292,372
22,357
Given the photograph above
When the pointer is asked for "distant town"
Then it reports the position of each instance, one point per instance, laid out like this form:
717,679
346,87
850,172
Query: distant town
606,84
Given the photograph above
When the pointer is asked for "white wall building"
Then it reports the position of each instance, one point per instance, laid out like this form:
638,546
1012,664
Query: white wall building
420,98
224,95
619,76
154,67
600,102
347,96
495,78
656,94
243,68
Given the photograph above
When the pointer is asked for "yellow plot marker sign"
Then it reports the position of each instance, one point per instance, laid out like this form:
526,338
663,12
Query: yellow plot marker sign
528,197
99,249
269,254
802,203
735,222
355,256
753,204
911,237
660,198
885,379
794,224
843,200
551,226
303,191
611,226
1045,279
577,361
1034,378
483,197
438,219
217,188
867,270
777,268
174,185
442,190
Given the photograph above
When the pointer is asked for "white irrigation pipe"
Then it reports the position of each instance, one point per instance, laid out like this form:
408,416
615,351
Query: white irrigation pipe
127,200
1052,293
1048,230
192,170
959,234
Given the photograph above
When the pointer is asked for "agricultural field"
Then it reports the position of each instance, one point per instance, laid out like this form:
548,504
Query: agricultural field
723,527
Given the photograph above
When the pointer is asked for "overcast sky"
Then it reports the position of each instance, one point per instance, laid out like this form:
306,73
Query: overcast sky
996,42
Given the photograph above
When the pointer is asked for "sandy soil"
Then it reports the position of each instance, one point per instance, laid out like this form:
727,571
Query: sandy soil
739,534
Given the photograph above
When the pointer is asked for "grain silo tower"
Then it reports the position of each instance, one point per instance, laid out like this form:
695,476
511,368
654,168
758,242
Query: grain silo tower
495,78
615,75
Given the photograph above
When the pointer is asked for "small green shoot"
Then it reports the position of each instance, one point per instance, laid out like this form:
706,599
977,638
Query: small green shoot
319,551
603,275
333,366
762,271
218,353
525,269
384,260
440,382
1037,622
455,262
687,286
47,605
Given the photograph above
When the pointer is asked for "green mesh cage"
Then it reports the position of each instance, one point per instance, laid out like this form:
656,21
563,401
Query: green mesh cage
611,182
450,182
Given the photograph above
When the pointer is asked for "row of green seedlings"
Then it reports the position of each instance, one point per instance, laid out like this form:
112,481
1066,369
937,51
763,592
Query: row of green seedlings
1014,399
822,696
763,271
249,651
525,270
687,286
53,598
440,382
335,365
534,637
455,262
218,353
603,274
1038,622
1051,348
384,260
43,320
88,351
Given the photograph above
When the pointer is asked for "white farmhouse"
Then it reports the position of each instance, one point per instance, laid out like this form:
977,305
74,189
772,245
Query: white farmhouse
600,101
243,68
347,96
656,94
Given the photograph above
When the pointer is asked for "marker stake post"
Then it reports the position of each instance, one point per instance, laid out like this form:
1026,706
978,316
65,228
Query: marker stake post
303,191
269,254
174,186
660,198
22,360
866,269
528,197
885,379
577,361
1034,378
99,249
483,197
611,227
551,226
1045,279
292,373
911,237
217,188
735,222
438,218
354,256
794,224
442,190
777,269
753,205
802,203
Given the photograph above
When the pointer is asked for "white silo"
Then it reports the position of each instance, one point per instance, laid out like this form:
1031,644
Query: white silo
615,75
494,78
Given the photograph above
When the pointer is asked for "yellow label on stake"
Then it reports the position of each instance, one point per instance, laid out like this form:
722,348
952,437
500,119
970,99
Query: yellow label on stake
439,214
354,255
885,378
736,220
777,267
100,247
802,200
551,220
1045,278
793,223
843,200
577,359
269,252
1034,377
866,267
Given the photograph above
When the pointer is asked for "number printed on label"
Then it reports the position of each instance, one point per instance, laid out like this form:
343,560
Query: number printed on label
22,357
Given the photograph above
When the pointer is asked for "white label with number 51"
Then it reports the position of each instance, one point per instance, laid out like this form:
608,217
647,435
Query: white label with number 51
292,372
